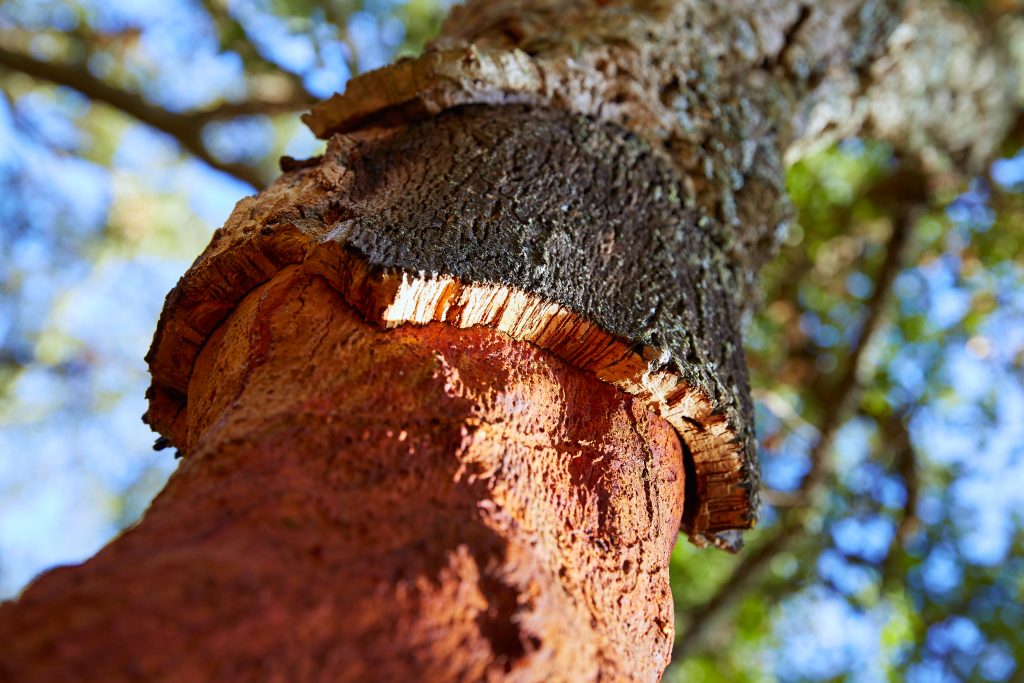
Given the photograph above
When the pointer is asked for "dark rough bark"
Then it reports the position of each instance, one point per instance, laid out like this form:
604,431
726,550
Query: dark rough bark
721,93
722,90
572,212
419,504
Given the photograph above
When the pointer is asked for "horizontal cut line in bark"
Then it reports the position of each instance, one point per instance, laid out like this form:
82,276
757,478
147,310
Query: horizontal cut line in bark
390,298
417,88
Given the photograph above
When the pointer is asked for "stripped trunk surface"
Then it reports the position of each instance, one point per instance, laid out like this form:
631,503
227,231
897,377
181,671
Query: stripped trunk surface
423,503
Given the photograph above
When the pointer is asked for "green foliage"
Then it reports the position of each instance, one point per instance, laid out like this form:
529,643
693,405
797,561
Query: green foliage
940,607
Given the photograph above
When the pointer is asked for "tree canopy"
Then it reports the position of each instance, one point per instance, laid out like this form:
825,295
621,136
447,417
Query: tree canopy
887,352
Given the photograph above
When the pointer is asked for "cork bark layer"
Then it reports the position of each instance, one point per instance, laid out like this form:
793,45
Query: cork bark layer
424,503
445,394
723,91
498,164
550,227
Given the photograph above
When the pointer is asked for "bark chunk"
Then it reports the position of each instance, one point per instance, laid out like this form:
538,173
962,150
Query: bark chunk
548,226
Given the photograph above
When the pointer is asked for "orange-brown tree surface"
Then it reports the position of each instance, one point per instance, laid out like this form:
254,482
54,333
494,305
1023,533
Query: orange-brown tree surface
446,394
358,504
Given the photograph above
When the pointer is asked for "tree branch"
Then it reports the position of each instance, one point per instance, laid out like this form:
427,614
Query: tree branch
796,521
185,128
838,400
897,435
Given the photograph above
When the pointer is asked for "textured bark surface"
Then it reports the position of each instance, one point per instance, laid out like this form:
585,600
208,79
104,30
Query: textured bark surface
722,90
551,227
655,239
426,503
493,494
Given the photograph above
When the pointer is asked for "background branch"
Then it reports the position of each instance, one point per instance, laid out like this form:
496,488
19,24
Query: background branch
186,128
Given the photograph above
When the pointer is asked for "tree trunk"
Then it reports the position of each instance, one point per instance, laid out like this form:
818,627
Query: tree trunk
424,503
445,394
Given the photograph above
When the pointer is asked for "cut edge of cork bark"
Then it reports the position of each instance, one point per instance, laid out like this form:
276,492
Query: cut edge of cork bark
720,501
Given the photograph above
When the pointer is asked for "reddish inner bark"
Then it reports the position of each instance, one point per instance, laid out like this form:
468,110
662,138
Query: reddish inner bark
423,503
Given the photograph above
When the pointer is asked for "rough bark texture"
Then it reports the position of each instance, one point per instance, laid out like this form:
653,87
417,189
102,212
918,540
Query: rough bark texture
536,210
571,198
722,90
426,503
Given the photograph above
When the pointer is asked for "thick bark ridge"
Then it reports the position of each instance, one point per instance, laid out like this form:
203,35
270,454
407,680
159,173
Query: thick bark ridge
519,210
425,503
